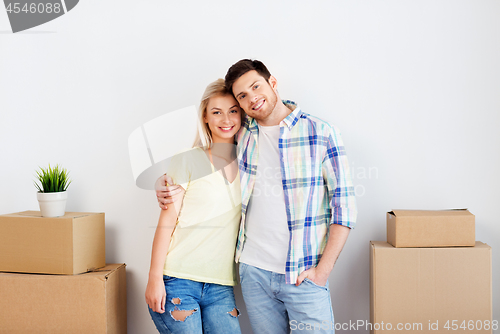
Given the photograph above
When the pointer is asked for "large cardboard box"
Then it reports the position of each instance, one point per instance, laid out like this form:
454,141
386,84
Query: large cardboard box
426,228
71,244
94,302
430,290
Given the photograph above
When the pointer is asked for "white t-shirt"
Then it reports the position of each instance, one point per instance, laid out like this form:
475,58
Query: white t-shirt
266,230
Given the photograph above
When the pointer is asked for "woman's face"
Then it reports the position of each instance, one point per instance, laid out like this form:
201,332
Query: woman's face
223,117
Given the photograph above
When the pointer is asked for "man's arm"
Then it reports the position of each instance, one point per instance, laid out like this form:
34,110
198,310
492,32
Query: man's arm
337,237
342,204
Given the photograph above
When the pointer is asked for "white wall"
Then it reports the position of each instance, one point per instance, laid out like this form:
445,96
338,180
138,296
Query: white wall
414,87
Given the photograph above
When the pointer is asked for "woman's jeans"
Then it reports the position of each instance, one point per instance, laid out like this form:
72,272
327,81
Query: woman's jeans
204,308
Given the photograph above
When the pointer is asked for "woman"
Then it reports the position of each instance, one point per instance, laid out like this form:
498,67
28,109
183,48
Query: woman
192,273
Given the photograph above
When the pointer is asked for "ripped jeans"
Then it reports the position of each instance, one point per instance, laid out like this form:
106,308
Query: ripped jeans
195,307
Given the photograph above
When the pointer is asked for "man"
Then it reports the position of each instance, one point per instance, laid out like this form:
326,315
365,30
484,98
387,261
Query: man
298,206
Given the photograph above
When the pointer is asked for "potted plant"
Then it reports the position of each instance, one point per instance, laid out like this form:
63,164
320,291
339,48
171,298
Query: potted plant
52,193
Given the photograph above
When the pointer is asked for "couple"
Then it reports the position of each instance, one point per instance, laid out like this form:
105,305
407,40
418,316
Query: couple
297,208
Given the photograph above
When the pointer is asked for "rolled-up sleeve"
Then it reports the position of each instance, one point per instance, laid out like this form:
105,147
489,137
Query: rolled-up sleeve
338,181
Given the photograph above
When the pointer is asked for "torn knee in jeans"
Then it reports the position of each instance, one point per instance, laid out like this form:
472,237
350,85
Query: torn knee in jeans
176,301
181,315
235,312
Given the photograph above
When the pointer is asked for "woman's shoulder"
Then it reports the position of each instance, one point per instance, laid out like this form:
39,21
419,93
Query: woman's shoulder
191,156
190,164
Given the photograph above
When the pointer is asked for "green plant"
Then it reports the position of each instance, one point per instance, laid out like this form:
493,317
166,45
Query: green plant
52,179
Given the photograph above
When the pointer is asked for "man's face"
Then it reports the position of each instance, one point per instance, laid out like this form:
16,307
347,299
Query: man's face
256,96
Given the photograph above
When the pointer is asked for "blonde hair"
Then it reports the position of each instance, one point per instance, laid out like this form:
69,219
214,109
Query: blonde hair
216,88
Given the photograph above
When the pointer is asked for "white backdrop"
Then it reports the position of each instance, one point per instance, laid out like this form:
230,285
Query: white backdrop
413,86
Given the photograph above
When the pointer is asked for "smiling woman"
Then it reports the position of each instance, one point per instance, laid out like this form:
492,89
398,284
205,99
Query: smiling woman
215,93
192,264
223,117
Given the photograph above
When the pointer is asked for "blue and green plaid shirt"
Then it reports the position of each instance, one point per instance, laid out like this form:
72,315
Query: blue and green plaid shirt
316,183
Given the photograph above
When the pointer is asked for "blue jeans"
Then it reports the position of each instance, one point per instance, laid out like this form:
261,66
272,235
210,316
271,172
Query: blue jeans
195,307
275,307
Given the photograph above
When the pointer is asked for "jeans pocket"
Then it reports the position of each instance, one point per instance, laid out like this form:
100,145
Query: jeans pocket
307,280
168,278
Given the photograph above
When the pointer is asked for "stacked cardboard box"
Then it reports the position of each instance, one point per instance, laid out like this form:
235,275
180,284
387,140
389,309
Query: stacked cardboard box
431,276
424,228
54,278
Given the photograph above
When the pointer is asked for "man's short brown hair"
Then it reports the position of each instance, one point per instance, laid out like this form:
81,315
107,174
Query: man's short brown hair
242,67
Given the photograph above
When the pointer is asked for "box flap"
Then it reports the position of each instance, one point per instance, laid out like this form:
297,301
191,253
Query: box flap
106,271
101,272
385,245
381,244
428,213
37,214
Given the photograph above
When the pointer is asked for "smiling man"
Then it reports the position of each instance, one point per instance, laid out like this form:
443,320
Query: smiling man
297,202
298,206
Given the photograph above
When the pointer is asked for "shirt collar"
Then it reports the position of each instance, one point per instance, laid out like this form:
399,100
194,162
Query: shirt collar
294,116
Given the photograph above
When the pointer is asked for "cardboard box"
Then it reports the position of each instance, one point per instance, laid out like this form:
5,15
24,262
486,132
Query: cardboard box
94,302
71,244
433,287
425,228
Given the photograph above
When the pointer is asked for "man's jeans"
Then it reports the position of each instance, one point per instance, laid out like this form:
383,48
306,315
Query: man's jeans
274,307
212,307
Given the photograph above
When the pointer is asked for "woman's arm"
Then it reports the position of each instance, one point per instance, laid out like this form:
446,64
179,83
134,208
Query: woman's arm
155,291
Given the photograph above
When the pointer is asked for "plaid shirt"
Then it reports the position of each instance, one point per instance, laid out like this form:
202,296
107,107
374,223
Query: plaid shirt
316,184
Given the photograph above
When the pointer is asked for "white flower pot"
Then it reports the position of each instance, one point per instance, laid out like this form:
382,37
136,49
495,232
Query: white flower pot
52,204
